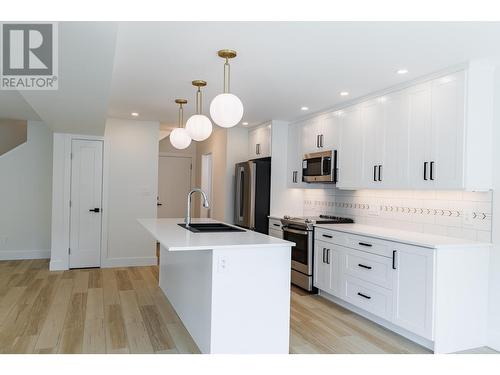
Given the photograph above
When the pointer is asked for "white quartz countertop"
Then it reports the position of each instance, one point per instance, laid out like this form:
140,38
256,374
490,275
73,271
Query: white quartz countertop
407,237
175,238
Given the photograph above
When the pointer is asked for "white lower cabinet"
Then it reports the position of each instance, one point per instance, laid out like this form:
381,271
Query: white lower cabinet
434,296
327,267
413,289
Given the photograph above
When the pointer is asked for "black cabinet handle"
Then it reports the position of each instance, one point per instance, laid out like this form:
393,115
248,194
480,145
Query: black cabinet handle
374,173
327,236
317,140
321,140
159,204
364,296
432,171
425,171
380,172
393,259
324,255
365,244
364,266
95,210
327,256
276,225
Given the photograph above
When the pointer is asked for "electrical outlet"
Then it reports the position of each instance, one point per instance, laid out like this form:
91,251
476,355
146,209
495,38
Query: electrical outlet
222,264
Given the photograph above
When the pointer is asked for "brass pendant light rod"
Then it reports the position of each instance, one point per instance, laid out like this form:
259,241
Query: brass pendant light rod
199,83
181,102
227,54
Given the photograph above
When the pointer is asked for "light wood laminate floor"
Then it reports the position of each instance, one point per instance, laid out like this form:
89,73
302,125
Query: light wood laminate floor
122,310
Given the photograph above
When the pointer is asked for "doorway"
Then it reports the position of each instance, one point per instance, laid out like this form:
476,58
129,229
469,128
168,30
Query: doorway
85,203
206,183
174,183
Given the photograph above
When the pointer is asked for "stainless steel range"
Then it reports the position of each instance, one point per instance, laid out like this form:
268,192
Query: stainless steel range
301,231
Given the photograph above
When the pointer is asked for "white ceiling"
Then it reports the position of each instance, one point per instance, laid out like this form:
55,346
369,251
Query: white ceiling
113,69
281,66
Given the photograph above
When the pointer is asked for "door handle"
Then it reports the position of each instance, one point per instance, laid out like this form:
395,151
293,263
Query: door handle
327,256
393,259
327,236
159,204
432,171
425,170
321,140
374,173
324,255
364,296
365,244
317,140
364,266
380,172
97,210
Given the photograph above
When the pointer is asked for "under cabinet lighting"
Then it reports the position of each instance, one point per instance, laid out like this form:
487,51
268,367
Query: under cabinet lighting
344,93
304,108
402,71
135,114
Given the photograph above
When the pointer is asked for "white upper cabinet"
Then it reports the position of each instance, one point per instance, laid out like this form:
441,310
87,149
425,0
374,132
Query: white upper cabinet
295,153
373,128
447,138
396,138
259,142
311,136
350,155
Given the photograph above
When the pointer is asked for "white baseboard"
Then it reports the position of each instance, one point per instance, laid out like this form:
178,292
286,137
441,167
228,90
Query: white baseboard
24,254
129,262
494,341
58,265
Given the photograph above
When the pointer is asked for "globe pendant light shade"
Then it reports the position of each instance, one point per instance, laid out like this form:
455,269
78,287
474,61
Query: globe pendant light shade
226,110
180,139
199,127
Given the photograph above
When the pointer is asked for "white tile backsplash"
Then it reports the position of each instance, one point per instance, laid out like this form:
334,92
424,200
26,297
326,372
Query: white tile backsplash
449,213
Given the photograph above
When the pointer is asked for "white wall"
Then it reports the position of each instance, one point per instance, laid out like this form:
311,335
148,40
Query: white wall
25,196
494,319
131,166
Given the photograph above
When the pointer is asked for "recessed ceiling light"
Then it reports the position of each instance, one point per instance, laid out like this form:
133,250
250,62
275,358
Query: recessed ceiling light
304,108
135,114
402,71
344,93
244,123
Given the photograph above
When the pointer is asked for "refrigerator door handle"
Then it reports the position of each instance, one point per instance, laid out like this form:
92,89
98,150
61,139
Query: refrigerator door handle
239,197
251,209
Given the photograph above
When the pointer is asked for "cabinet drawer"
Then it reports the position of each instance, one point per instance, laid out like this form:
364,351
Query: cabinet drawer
369,267
274,223
369,297
275,233
354,241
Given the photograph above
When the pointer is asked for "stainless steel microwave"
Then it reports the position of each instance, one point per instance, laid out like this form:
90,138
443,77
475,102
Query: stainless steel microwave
320,167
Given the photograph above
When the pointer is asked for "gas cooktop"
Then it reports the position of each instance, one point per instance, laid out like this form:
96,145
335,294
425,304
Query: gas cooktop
309,221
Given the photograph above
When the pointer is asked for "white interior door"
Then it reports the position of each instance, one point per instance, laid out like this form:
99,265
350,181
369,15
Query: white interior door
86,199
206,182
174,183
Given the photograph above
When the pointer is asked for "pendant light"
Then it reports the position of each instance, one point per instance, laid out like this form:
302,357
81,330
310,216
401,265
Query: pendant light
179,137
226,109
198,126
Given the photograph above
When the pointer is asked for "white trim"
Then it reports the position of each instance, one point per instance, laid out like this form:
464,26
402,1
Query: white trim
58,265
24,254
129,262
382,322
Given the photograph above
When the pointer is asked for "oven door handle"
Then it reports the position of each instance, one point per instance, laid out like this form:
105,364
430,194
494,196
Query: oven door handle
296,231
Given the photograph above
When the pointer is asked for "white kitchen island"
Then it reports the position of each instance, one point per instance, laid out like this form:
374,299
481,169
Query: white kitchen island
231,289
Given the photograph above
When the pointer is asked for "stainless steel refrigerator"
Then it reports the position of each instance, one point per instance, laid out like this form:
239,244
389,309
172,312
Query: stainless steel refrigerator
252,194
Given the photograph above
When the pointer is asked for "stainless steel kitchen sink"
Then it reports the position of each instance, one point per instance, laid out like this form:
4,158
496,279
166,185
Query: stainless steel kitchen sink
210,228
